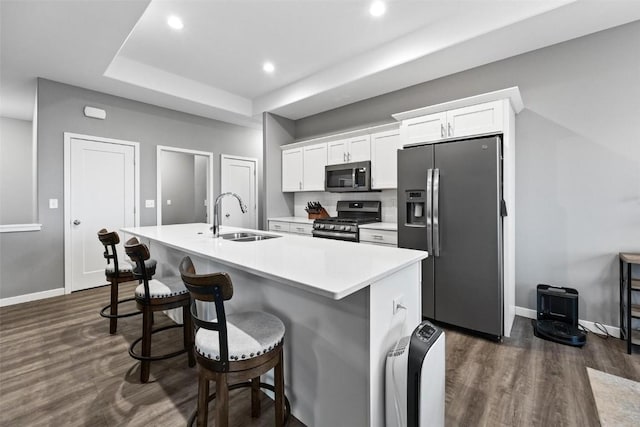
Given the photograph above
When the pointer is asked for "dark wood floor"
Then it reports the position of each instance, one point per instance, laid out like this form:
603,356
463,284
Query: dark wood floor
59,366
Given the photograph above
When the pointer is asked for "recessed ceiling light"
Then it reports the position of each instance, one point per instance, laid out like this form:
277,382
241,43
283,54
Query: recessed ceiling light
378,8
175,23
268,67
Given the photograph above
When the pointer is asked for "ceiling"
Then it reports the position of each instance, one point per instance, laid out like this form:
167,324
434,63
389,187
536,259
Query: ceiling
327,53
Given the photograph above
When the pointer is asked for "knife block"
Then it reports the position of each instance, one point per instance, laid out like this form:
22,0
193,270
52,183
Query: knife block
322,214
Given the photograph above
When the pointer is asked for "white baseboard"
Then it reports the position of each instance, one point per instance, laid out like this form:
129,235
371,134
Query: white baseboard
532,314
31,297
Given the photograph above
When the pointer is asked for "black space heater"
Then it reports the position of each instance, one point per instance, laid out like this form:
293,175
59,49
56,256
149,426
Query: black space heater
558,316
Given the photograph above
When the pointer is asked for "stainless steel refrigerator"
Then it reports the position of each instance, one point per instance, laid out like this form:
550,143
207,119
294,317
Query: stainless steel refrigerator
450,204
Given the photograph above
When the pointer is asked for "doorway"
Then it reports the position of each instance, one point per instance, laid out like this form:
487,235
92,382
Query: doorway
238,175
101,187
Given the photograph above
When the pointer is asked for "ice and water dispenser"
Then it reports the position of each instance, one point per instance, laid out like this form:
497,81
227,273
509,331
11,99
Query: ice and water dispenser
416,207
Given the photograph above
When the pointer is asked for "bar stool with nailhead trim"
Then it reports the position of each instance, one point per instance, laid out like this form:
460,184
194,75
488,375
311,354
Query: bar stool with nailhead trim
155,295
119,272
233,350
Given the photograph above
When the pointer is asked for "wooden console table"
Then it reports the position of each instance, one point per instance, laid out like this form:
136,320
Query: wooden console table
628,310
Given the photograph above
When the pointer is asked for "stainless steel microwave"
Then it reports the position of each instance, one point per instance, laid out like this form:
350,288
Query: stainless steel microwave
348,177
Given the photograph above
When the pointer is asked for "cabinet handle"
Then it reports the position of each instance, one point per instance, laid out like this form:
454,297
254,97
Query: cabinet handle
344,157
300,185
378,237
300,229
442,130
450,129
277,227
349,156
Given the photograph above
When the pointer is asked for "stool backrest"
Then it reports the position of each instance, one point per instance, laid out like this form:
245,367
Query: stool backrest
110,239
139,253
212,287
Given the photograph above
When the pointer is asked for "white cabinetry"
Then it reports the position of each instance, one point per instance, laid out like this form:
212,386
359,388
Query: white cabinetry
314,159
379,237
356,149
457,123
303,168
384,155
294,227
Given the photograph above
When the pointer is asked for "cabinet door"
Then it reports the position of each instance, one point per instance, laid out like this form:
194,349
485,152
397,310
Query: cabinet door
337,152
359,149
292,169
422,129
314,161
384,159
475,119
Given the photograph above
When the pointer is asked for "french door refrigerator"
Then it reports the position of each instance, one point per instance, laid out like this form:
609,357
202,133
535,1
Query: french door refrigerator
450,204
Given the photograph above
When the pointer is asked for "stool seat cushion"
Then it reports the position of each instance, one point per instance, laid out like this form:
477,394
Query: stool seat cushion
168,287
127,267
250,334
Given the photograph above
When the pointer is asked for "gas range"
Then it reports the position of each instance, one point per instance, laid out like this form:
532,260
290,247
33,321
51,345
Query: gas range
350,215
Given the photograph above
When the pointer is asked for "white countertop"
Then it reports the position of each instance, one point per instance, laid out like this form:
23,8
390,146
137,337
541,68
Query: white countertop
331,268
297,219
389,226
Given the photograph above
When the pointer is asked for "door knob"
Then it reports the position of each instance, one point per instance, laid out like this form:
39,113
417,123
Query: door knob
227,215
76,222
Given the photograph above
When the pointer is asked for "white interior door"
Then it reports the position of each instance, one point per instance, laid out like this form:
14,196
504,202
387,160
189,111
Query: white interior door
101,195
238,175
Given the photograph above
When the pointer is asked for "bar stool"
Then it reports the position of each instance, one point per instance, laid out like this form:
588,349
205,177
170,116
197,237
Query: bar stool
155,295
116,273
233,349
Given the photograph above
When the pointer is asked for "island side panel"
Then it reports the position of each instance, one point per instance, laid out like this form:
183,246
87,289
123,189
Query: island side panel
385,327
326,344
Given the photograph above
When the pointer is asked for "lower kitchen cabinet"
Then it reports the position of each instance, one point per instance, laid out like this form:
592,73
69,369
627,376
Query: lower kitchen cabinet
302,226
379,237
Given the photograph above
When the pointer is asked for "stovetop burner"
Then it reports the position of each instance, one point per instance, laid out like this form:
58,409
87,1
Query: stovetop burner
345,225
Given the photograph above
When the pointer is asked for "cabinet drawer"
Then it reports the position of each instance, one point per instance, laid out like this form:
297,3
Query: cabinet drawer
379,236
280,226
298,228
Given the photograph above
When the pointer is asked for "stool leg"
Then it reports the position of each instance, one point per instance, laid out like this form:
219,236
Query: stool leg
203,400
146,344
255,397
187,334
113,322
222,401
279,392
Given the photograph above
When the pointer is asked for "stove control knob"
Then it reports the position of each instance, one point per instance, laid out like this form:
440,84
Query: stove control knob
332,227
320,226
345,227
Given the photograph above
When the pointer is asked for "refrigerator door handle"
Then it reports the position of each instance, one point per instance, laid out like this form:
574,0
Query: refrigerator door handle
436,213
429,211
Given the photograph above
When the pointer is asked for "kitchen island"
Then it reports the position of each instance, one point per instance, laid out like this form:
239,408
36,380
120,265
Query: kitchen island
334,297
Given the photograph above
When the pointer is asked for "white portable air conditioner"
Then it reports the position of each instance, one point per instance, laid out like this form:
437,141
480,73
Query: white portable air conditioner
415,376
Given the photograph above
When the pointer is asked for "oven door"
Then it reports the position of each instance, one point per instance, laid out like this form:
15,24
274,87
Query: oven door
348,177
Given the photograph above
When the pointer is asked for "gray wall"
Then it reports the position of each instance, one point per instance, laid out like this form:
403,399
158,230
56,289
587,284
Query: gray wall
178,175
33,262
16,171
200,188
277,131
577,161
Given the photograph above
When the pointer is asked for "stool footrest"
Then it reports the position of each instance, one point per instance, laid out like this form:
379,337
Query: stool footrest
137,356
118,316
287,405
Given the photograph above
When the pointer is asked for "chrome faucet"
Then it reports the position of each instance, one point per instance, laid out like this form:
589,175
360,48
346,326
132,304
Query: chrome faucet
216,211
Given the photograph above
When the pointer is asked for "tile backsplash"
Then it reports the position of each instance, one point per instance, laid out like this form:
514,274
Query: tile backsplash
329,201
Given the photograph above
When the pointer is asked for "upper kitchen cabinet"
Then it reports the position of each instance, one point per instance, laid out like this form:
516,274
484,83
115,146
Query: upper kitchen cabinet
303,168
356,149
457,123
292,169
384,155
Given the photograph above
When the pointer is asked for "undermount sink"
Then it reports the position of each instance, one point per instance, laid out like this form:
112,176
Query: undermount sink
246,237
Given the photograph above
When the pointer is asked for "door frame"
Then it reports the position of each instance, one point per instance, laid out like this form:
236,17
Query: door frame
68,136
208,154
255,179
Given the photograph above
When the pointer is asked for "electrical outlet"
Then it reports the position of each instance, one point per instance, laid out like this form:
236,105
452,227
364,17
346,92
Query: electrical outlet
149,203
53,203
397,302
169,202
